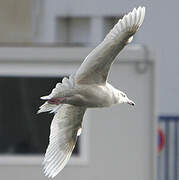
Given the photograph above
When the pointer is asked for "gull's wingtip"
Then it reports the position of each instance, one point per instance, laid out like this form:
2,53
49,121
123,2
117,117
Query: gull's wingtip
139,13
129,24
140,7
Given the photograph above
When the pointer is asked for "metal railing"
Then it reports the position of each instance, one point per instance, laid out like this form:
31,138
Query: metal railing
168,158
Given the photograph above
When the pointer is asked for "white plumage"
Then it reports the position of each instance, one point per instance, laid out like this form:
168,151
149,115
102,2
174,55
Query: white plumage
87,88
64,129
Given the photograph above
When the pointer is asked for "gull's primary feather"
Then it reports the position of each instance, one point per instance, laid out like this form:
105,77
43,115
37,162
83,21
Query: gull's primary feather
96,66
63,135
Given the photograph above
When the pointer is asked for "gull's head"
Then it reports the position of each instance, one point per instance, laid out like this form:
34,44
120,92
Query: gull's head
122,98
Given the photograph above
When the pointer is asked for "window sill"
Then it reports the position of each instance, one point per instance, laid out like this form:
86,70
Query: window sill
35,160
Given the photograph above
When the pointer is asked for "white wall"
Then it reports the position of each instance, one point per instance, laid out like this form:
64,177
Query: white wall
121,139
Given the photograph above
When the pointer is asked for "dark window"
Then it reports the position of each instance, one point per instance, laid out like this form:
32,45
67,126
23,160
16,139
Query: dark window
22,131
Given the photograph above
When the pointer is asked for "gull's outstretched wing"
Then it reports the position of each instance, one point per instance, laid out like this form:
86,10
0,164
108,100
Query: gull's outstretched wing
96,66
65,127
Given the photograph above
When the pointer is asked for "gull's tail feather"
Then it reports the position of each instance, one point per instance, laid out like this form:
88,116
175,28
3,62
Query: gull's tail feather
67,83
59,90
130,23
48,107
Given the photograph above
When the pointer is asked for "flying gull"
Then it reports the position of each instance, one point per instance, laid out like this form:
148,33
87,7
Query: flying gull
87,88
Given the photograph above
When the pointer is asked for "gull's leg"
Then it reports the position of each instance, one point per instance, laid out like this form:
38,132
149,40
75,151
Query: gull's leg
56,101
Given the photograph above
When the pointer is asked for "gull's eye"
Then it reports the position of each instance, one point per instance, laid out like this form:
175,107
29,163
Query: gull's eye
123,95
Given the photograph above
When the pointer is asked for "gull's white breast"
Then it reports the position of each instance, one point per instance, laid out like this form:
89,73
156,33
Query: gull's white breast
93,96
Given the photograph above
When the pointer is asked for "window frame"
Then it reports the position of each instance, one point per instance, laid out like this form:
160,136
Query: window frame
31,63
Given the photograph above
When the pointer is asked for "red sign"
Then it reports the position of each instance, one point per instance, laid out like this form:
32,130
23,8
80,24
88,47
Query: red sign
162,139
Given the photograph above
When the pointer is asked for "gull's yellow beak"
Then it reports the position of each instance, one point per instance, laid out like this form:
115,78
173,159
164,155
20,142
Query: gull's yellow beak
130,102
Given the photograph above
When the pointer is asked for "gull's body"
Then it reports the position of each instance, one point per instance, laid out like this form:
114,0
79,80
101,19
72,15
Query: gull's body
90,96
87,88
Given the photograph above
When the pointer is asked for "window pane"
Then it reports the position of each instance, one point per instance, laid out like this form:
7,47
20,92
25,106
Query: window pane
22,131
